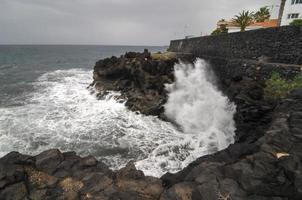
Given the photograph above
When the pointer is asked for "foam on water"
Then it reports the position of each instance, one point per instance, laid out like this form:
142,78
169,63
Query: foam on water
204,115
62,113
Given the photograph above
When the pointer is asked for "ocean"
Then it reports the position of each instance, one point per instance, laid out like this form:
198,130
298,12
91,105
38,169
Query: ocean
45,103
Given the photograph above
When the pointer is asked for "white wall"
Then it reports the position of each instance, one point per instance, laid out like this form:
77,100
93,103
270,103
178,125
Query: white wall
234,29
289,9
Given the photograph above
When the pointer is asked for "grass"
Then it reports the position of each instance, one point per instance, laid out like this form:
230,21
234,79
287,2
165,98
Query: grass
163,56
278,87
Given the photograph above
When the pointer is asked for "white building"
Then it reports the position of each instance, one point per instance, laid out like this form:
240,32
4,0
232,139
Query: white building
292,11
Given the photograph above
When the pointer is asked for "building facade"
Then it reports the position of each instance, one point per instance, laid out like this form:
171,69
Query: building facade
292,11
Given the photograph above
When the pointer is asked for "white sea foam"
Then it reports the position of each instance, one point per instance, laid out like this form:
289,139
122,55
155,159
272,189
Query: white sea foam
62,113
204,115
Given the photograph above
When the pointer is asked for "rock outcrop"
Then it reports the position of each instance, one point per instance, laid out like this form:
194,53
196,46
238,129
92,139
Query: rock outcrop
140,79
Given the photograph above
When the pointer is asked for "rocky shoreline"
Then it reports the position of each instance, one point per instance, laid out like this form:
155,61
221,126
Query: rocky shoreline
138,77
264,163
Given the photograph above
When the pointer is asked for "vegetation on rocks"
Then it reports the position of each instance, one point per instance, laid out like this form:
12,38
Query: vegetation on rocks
278,87
163,56
296,22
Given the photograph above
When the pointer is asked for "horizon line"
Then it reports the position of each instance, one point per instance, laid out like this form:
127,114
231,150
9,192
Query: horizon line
140,45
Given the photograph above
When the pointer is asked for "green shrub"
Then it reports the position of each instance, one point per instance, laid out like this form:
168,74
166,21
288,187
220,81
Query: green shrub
221,30
216,32
278,87
296,22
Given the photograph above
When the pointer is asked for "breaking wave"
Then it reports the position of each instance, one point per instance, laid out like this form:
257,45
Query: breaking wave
204,115
62,113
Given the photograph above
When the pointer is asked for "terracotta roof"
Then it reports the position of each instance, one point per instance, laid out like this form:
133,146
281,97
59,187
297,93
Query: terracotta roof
266,24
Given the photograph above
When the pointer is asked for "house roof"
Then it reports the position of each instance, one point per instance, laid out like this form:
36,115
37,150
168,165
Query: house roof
265,24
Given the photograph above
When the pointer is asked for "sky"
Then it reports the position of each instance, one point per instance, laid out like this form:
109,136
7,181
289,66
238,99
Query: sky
114,22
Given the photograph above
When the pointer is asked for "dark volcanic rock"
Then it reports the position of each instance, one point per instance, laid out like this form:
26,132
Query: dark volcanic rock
139,78
267,167
278,44
264,163
86,179
49,160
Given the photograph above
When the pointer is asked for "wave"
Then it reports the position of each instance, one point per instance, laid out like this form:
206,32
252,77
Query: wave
204,115
62,113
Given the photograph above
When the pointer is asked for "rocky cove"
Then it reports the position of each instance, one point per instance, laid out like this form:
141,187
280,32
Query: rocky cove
263,163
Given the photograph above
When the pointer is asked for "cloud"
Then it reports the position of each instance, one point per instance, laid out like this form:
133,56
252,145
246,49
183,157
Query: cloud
125,22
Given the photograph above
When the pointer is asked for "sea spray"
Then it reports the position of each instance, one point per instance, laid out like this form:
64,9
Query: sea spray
203,113
198,107
62,113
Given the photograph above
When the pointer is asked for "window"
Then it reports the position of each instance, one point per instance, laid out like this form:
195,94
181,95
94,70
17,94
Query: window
296,1
293,16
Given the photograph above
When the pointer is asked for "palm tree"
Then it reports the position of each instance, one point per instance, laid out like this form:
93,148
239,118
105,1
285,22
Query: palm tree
281,10
262,15
244,19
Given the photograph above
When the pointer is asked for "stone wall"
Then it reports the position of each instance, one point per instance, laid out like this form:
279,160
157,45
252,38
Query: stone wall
260,71
276,45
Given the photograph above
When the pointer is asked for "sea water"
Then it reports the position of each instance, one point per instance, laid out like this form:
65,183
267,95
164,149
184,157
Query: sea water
45,103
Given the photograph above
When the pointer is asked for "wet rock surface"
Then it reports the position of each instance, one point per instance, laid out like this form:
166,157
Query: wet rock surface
251,168
264,163
68,176
140,79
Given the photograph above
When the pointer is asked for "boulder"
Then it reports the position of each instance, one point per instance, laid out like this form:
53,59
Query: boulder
49,160
16,191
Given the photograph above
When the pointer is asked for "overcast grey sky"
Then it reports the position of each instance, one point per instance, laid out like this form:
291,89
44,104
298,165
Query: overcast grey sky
124,22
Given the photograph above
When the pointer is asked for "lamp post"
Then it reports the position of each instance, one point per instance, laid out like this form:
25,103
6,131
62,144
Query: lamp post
281,10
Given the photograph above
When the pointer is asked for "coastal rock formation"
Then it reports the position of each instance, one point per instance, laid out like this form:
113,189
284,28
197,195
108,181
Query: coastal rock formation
140,79
264,166
55,175
263,163
249,168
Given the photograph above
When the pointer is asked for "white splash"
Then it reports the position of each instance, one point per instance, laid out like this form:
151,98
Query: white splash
62,113
202,112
